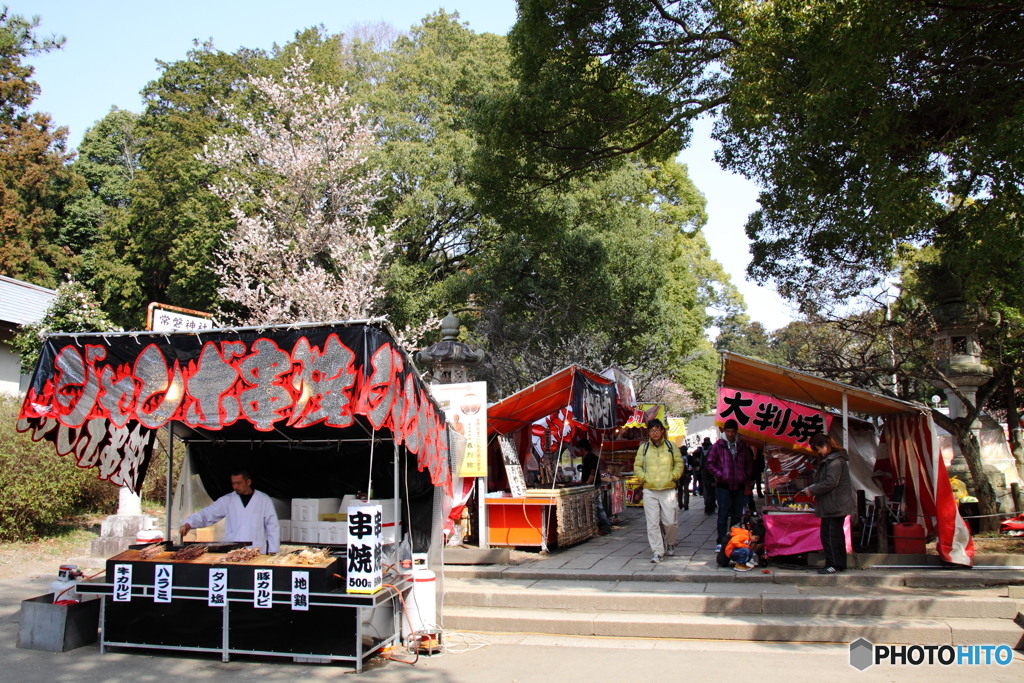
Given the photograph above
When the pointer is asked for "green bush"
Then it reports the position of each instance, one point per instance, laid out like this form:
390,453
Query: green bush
38,488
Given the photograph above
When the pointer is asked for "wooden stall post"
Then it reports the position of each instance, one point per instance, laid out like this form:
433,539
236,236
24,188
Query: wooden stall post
882,524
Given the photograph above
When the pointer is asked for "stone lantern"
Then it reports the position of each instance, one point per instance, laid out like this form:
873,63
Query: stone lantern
959,350
449,360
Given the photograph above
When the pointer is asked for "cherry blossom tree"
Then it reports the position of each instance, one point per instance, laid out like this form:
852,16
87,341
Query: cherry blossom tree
295,178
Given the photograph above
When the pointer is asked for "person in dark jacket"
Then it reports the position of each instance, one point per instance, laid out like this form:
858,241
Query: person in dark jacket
696,468
731,463
683,485
707,480
757,476
834,500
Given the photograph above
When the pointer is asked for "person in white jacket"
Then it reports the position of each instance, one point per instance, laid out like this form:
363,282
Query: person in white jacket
249,513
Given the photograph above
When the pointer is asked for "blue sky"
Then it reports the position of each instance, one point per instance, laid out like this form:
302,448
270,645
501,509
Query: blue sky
113,47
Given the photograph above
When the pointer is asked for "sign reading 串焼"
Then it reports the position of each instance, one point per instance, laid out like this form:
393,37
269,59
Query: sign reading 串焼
218,592
163,578
122,583
262,596
300,591
465,408
365,549
770,419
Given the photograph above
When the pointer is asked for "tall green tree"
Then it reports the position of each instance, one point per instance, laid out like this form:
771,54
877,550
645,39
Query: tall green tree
34,178
163,250
872,125
422,103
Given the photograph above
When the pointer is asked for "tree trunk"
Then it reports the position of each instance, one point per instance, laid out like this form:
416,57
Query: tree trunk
983,490
1013,424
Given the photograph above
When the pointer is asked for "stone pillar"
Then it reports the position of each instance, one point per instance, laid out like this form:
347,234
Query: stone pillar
119,531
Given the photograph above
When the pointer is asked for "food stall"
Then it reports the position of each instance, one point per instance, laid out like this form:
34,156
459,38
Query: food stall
574,401
779,409
313,412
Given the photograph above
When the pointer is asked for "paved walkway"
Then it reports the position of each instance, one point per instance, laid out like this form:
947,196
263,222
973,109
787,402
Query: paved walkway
624,555
626,548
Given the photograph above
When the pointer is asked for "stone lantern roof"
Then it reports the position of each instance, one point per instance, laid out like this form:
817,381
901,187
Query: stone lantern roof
449,359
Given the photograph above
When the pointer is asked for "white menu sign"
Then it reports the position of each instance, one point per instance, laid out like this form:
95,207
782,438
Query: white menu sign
218,593
300,591
365,562
122,583
262,593
162,583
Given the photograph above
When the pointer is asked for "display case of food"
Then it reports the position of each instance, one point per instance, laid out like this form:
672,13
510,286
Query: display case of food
224,598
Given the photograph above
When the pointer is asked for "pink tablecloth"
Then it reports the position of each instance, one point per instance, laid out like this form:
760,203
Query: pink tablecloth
792,533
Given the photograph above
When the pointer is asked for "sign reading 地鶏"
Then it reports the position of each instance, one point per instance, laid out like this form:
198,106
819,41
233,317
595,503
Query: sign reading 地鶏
770,419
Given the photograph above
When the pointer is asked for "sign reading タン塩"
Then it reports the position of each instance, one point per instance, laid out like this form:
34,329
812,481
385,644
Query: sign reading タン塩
218,593
770,419
365,549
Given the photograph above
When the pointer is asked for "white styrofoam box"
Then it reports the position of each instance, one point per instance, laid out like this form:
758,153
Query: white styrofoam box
334,533
286,529
282,508
305,532
309,509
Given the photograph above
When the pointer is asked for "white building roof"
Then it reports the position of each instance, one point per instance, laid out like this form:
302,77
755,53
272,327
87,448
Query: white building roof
22,303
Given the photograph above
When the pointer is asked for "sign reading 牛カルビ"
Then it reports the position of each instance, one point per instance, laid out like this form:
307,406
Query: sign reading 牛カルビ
364,572
770,419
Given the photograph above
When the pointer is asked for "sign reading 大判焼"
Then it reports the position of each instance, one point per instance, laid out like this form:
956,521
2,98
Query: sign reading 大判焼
770,419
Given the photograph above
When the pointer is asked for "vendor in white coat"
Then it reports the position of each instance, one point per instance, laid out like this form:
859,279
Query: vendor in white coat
250,516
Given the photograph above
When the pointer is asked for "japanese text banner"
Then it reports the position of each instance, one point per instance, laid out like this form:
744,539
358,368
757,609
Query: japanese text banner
102,398
770,419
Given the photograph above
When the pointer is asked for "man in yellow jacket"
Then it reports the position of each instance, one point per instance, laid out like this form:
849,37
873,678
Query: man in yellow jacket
658,466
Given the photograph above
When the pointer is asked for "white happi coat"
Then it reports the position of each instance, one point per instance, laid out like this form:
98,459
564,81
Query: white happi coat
255,523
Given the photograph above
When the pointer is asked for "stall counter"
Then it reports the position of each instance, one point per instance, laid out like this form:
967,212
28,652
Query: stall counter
793,533
544,517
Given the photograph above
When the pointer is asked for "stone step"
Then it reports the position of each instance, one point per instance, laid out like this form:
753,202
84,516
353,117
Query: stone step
928,578
653,598
752,627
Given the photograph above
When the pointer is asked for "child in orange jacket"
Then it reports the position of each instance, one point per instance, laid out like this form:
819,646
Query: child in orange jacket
745,542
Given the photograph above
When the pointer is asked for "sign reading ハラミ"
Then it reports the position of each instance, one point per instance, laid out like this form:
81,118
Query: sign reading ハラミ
465,408
770,419
365,549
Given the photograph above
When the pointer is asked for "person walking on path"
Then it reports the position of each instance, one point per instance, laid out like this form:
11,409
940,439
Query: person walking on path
731,463
683,485
834,500
658,466
591,474
707,482
696,468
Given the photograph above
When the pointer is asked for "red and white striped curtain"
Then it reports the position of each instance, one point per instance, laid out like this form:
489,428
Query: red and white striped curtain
928,497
